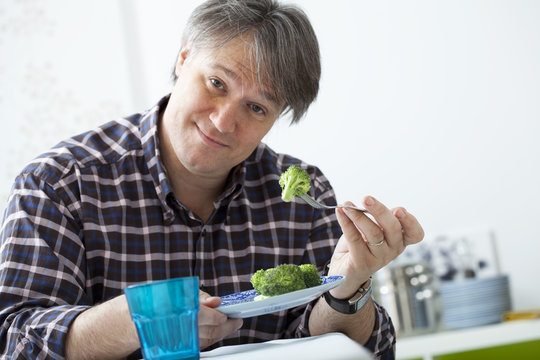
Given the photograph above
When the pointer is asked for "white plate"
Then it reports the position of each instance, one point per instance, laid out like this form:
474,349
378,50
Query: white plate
242,304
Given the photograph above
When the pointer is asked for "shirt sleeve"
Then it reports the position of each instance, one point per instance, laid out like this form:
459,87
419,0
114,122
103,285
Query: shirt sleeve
382,341
41,282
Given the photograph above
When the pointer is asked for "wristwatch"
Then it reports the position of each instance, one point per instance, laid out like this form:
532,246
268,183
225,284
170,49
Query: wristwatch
352,305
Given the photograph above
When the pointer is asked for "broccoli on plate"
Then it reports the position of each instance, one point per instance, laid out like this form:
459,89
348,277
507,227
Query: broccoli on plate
311,276
294,182
284,278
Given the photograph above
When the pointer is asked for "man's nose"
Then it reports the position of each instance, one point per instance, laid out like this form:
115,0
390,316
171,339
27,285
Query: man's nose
223,117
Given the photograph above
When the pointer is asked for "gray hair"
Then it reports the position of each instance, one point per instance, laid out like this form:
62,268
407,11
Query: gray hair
285,49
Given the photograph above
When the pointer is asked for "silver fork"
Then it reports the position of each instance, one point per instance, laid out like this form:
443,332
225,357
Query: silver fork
311,201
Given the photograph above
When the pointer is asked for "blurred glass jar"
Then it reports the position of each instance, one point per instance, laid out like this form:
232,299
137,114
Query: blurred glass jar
410,294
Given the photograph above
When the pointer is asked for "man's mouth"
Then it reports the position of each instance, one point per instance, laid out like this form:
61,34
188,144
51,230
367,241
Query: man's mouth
212,142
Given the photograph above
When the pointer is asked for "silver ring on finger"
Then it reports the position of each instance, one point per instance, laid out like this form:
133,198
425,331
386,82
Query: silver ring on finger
376,244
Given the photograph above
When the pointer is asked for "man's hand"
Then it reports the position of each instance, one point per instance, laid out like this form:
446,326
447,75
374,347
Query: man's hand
369,242
214,325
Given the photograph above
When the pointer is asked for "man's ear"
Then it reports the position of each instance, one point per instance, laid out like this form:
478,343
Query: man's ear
182,58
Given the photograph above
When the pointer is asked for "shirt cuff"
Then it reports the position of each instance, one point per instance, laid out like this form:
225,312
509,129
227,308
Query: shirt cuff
43,335
382,342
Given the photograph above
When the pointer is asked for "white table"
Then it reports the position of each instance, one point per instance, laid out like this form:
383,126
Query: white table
452,341
335,346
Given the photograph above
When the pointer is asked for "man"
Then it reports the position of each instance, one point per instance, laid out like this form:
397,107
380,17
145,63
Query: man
185,189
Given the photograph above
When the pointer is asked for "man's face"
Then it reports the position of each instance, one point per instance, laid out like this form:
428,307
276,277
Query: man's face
217,114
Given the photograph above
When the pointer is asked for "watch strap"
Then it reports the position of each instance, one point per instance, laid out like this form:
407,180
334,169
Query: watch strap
352,305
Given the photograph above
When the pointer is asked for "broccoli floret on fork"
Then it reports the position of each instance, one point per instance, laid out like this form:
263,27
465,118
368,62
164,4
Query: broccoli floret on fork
294,181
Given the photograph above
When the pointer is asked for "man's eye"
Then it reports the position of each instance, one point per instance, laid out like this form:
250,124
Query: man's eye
217,83
257,109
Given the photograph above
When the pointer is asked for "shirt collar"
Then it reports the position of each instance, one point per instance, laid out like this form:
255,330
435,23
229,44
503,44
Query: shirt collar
237,177
233,185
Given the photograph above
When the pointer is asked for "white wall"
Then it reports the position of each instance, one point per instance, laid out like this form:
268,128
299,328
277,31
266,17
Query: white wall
63,70
433,105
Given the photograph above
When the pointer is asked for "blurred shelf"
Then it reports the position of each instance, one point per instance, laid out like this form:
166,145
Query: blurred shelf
431,346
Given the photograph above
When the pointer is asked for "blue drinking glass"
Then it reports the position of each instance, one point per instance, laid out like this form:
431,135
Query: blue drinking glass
165,313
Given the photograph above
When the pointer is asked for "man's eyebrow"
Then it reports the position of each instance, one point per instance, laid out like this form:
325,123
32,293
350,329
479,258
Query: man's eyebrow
227,71
270,96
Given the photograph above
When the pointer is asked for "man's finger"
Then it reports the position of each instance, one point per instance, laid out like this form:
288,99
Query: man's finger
210,301
209,334
349,229
387,221
210,316
412,230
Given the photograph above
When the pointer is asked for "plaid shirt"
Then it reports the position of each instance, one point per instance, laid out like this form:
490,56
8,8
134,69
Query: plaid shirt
97,213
